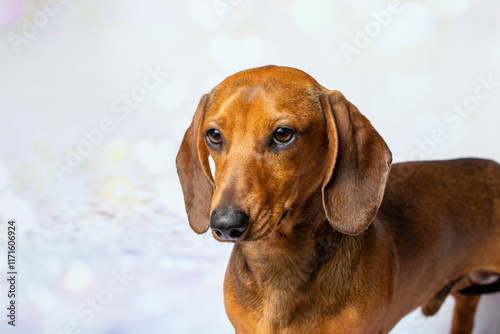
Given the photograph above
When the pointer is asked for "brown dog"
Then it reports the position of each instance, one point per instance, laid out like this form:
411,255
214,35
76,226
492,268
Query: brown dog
319,247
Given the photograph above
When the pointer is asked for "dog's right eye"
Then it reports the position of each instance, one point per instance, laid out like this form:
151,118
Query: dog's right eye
282,135
214,137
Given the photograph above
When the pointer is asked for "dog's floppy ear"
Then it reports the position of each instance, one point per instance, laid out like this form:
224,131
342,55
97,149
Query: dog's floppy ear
358,166
194,172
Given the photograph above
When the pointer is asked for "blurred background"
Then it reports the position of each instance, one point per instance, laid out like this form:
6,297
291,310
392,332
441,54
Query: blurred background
95,97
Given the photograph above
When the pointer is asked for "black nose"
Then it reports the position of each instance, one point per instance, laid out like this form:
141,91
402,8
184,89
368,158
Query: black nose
229,224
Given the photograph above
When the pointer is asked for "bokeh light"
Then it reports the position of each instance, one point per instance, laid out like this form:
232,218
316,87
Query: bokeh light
11,11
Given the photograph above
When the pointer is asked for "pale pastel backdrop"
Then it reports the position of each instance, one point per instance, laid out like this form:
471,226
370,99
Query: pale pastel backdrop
117,211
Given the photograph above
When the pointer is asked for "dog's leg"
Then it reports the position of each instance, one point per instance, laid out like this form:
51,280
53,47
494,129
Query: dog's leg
463,314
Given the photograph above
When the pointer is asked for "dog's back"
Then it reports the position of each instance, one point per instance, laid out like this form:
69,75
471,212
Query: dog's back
448,207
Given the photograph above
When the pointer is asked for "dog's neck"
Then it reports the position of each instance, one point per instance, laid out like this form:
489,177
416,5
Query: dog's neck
284,267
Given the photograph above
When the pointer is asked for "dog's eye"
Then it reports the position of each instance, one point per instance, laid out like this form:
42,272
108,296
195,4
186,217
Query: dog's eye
214,137
283,135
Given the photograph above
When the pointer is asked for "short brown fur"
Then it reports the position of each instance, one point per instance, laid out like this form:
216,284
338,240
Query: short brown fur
337,242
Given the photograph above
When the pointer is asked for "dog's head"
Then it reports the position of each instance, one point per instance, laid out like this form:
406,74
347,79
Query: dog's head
277,139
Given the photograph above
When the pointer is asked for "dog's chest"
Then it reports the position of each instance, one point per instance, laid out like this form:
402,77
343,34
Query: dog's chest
281,313
280,300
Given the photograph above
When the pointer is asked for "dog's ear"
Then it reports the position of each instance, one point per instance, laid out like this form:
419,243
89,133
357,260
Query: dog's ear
358,166
194,173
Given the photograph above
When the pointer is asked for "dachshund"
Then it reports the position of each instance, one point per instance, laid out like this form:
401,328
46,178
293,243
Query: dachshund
328,236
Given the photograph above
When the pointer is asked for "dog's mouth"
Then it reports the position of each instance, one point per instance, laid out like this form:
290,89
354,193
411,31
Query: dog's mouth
283,216
266,230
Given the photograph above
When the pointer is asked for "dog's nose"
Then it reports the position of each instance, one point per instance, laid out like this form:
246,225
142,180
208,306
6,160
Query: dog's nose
229,224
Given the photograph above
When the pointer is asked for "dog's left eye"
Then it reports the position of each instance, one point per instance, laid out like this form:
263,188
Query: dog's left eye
283,135
214,137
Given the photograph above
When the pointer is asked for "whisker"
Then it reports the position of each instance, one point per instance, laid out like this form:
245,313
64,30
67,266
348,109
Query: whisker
270,214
